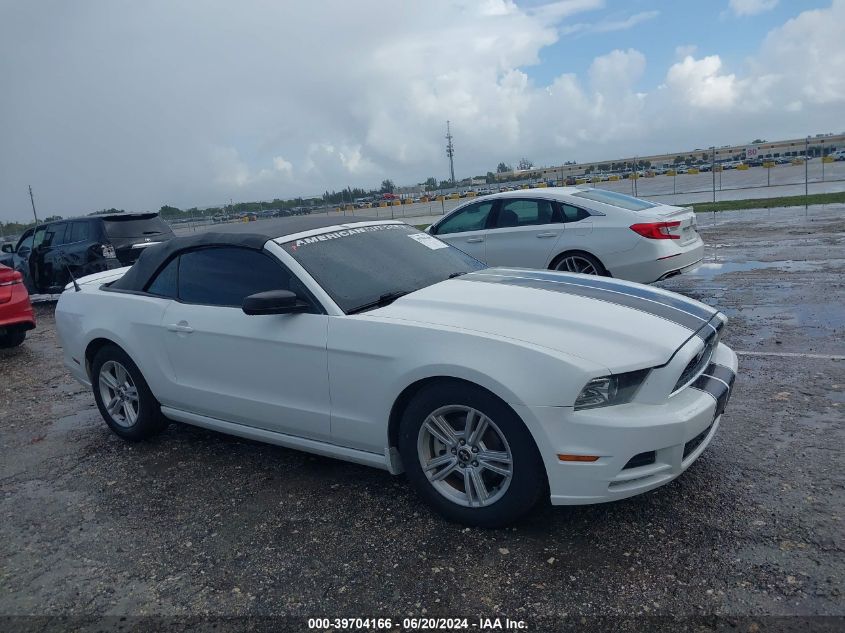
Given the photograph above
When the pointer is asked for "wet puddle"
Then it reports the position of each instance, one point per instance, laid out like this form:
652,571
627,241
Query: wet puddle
710,270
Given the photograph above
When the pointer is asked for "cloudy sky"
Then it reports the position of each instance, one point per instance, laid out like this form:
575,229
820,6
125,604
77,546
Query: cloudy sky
119,103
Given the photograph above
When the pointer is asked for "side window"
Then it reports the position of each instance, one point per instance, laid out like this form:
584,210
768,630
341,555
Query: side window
524,213
573,214
164,283
40,235
471,218
225,276
55,234
79,232
25,244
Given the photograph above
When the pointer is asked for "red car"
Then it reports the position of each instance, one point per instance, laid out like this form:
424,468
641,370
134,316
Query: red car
16,315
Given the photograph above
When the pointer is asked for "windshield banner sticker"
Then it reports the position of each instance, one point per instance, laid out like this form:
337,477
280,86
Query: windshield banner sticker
323,237
428,241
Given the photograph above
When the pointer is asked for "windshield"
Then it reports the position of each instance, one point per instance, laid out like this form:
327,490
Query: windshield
358,266
135,227
616,199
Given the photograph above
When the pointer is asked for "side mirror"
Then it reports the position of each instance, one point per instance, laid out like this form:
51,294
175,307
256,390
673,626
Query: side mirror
7,248
274,302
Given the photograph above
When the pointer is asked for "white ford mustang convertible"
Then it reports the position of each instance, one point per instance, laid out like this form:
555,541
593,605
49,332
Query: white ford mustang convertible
376,343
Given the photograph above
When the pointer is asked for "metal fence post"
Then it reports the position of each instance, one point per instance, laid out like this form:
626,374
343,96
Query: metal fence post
806,172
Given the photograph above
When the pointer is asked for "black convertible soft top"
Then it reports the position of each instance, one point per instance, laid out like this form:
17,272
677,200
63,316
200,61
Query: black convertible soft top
252,235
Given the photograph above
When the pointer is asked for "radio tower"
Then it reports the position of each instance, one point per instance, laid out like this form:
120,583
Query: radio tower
450,152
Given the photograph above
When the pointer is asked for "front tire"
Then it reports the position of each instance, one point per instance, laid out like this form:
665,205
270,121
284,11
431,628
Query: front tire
12,339
123,396
469,456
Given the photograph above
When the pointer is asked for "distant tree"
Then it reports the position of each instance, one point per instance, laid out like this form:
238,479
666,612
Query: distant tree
107,212
387,186
490,177
430,183
52,218
759,140
169,212
503,167
604,167
445,184
525,164
679,160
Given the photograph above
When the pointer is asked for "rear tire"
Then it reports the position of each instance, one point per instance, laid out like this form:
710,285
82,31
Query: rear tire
578,262
123,396
12,339
483,478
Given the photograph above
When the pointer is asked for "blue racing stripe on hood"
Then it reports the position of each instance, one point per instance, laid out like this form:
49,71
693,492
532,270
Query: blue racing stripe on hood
568,284
644,292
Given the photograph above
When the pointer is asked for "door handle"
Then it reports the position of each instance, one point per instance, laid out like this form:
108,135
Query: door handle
180,327
546,234
475,240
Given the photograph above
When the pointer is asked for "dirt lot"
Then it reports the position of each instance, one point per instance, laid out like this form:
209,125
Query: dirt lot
198,523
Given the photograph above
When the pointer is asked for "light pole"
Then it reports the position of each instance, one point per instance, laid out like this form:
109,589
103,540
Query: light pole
806,172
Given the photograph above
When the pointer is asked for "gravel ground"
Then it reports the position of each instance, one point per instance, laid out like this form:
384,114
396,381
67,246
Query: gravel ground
196,523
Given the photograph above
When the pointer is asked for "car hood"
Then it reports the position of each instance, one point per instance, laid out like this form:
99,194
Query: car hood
619,325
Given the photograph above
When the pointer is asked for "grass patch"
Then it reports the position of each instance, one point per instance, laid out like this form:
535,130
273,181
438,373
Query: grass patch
421,227
766,203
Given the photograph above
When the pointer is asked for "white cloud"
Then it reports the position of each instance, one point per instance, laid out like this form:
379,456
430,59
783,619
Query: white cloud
609,25
700,83
751,7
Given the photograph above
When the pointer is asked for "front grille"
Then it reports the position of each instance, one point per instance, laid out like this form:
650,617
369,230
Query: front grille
642,459
695,442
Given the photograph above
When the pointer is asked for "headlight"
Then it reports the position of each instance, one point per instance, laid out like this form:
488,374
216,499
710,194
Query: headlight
608,390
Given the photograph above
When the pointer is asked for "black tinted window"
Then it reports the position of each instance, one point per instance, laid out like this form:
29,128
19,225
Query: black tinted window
79,231
164,284
573,214
55,234
130,226
225,276
524,213
471,218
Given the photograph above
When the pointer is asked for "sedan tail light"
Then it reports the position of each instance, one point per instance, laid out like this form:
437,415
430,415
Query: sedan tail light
657,230
10,278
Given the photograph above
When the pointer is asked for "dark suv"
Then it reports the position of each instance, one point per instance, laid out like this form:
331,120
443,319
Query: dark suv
83,246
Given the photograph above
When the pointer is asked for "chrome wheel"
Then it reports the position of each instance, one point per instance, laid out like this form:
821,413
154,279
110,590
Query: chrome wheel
119,394
577,264
465,456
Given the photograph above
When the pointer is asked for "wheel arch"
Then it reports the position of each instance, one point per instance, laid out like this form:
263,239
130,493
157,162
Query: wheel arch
94,346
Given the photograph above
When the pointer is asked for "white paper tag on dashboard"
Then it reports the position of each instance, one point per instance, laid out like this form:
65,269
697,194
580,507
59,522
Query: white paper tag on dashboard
428,241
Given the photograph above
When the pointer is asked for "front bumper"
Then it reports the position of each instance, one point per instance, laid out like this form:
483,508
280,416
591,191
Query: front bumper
640,446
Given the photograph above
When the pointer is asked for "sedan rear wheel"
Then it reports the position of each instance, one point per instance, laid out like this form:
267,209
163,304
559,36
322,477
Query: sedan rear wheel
579,263
469,456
